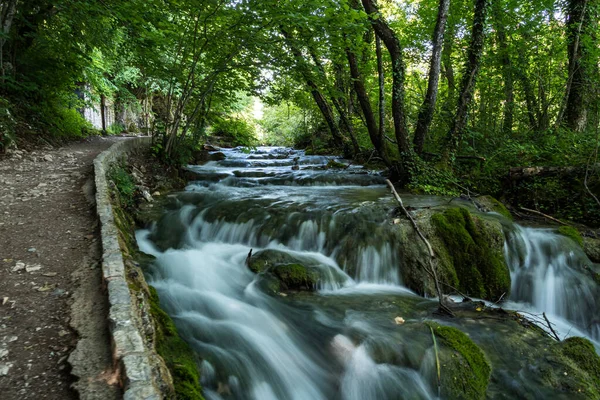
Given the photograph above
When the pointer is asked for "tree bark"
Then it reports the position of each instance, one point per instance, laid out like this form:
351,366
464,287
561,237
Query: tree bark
578,21
505,62
320,100
392,44
381,82
428,107
455,134
365,105
344,120
7,10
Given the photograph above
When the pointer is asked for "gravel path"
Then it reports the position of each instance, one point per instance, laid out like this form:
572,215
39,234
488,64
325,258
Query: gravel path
50,277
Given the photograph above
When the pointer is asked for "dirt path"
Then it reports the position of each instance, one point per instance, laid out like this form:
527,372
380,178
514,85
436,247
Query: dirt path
50,277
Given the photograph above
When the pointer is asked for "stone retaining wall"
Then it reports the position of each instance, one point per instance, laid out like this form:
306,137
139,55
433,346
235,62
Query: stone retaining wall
129,351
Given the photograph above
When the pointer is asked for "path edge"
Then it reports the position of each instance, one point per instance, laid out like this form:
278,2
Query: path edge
130,355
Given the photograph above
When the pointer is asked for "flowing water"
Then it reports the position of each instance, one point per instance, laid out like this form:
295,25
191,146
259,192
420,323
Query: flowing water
341,342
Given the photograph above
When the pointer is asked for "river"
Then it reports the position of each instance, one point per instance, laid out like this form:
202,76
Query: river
341,341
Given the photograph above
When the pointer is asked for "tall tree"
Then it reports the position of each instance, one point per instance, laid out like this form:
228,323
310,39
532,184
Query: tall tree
459,124
578,24
390,39
428,107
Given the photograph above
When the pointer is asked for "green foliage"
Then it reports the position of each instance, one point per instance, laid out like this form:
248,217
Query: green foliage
427,178
7,125
571,233
238,130
124,184
177,354
466,372
115,129
480,269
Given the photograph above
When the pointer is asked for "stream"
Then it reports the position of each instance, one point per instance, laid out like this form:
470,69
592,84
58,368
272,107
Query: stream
341,341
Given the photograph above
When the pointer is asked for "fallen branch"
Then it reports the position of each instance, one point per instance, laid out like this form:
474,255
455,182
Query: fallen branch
551,328
432,270
544,215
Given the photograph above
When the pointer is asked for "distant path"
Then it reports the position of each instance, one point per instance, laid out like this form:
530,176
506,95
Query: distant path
48,220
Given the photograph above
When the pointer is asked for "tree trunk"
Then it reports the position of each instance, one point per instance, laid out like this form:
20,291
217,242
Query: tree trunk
389,38
578,23
505,62
103,113
381,82
428,107
365,105
320,100
455,134
344,120
7,10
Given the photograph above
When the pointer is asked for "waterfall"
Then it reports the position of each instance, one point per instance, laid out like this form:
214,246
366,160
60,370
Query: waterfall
550,274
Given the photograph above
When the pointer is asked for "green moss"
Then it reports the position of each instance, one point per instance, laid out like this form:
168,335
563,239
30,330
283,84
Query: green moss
583,353
295,276
332,164
480,269
177,354
495,206
572,233
465,372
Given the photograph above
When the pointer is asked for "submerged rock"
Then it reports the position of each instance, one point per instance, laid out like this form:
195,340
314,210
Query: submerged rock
280,270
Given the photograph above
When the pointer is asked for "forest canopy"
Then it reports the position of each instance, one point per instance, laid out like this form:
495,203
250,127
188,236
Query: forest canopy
448,96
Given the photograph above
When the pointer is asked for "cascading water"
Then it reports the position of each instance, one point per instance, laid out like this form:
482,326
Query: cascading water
339,343
550,274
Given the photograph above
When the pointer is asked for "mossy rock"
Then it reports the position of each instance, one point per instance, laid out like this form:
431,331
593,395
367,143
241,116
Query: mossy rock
296,276
177,354
473,248
571,233
591,247
583,353
265,259
465,370
491,204
332,164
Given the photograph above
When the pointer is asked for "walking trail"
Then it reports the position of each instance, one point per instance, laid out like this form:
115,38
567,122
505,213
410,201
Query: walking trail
51,294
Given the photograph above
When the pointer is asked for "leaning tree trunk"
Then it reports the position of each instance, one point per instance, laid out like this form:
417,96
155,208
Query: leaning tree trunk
320,100
455,134
344,120
428,107
578,23
365,105
389,38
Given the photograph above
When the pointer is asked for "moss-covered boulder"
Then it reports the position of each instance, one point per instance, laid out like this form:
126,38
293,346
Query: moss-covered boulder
280,270
591,247
265,259
572,234
465,370
582,352
473,250
296,276
488,203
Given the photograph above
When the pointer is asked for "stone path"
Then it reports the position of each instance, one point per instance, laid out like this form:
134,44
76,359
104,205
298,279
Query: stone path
50,277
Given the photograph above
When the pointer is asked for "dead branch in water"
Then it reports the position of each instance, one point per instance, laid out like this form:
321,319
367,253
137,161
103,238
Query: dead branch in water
431,271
